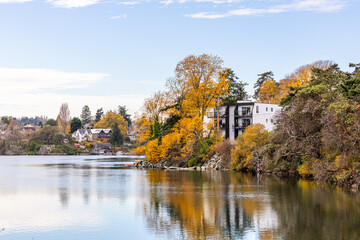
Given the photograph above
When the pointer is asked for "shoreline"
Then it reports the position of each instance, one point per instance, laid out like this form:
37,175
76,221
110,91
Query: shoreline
143,164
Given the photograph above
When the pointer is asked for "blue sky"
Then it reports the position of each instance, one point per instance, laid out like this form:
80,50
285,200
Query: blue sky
109,53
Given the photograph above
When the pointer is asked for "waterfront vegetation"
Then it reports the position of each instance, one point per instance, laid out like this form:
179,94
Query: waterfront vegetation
55,136
317,134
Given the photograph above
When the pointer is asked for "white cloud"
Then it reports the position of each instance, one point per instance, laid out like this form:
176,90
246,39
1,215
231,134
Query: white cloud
130,3
72,3
298,5
30,79
30,92
119,17
15,1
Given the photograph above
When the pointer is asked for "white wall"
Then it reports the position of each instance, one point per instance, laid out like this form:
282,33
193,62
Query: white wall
265,115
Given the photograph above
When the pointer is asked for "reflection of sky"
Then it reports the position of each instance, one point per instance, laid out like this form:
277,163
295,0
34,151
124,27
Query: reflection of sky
68,198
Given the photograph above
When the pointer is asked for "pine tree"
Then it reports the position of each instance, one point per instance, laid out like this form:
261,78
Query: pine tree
85,115
116,138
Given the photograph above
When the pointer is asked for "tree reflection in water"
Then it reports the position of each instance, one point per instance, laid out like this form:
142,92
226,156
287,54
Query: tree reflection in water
225,205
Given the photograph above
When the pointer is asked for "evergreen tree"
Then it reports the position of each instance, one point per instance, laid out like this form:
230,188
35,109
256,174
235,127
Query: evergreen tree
123,111
263,77
51,122
116,138
236,89
85,115
99,114
75,124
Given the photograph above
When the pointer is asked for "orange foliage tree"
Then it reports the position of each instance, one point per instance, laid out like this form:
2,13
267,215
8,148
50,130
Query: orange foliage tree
272,92
111,118
173,121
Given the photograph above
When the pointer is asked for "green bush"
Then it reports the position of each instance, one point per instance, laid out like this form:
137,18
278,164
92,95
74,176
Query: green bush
192,162
65,149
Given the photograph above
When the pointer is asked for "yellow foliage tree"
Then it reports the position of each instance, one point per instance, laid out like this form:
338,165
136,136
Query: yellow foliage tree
253,137
153,151
108,120
273,92
196,87
269,92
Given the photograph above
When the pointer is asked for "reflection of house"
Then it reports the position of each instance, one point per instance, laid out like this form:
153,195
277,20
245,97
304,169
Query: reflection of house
235,117
82,135
29,128
101,133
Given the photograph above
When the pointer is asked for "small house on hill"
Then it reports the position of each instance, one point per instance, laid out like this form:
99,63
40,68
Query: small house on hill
29,128
82,135
101,133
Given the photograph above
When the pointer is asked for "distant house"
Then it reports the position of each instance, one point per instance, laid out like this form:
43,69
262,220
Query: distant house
82,135
132,135
29,128
101,133
102,148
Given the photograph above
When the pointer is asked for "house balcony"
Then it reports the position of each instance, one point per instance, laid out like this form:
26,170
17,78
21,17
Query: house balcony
243,114
240,126
222,114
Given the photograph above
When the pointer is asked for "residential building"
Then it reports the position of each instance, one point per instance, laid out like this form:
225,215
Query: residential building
101,133
89,135
29,128
235,117
83,135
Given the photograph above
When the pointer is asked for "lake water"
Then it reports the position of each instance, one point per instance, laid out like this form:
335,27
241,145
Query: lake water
92,197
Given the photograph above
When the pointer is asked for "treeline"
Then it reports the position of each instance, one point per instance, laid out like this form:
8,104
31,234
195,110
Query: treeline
316,136
15,139
317,133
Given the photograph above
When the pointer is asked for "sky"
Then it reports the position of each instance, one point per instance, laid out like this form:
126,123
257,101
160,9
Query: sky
105,53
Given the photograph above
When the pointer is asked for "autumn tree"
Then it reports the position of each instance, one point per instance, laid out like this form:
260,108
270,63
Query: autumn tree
63,119
172,123
246,152
85,115
269,92
203,82
111,118
263,77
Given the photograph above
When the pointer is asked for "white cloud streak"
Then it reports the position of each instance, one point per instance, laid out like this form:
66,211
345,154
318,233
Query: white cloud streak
119,17
72,3
30,92
130,3
15,1
298,5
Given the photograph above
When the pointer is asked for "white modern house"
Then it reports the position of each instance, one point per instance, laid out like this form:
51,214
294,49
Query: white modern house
82,135
89,135
235,117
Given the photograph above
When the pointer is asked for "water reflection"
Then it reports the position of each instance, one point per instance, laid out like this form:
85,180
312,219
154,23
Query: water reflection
241,206
77,198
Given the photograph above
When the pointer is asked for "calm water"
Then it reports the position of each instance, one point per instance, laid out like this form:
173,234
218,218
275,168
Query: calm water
90,198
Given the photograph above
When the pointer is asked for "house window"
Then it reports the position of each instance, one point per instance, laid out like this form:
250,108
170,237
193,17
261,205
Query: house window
266,120
272,109
257,109
245,111
245,123
266,109
272,121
